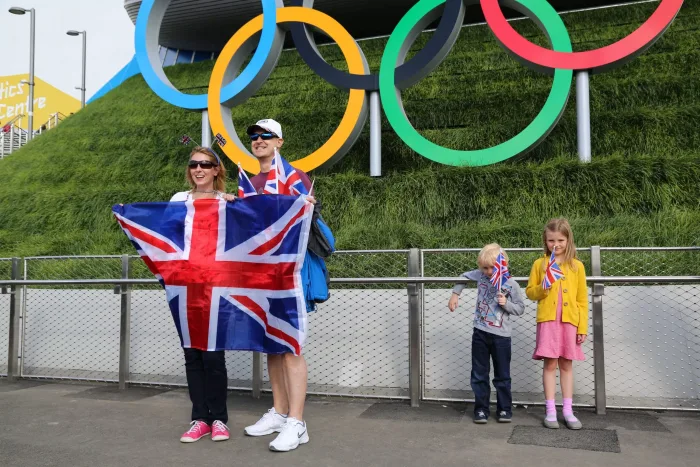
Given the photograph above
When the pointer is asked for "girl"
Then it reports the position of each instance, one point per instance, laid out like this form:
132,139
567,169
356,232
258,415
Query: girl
562,318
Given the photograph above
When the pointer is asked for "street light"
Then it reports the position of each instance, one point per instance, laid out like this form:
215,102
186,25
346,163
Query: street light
82,88
16,10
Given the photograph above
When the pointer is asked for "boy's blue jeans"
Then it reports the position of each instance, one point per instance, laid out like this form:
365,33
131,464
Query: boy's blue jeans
485,345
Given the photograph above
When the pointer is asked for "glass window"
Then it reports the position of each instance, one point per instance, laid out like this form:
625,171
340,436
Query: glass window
161,53
170,57
201,56
185,56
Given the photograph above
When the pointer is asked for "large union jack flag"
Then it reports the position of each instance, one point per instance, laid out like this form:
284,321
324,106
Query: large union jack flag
231,271
552,272
500,271
283,179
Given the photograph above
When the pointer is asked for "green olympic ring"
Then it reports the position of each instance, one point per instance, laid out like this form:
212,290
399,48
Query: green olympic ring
394,54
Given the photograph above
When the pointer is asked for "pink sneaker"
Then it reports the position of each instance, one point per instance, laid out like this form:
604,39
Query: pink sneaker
219,431
197,430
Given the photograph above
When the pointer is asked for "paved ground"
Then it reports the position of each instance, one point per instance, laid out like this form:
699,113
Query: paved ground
50,424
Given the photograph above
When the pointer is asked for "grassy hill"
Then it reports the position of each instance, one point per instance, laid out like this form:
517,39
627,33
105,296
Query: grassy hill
641,188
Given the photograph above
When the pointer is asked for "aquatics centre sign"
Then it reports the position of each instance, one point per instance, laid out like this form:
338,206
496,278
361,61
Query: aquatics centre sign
395,72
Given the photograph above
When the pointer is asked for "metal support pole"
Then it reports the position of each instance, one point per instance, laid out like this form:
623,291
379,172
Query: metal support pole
124,327
598,341
583,116
375,135
30,124
15,310
257,374
414,325
206,129
82,86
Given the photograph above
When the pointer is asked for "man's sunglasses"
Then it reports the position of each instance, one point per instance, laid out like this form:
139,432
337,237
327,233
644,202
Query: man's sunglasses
264,136
203,164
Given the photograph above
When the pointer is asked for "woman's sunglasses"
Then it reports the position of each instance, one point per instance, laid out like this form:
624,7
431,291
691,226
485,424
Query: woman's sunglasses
203,164
264,136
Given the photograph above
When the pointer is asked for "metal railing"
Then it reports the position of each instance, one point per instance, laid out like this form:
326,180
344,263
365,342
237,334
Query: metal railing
385,335
52,122
12,136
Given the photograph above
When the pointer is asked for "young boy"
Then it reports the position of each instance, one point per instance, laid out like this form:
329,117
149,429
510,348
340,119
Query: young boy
491,334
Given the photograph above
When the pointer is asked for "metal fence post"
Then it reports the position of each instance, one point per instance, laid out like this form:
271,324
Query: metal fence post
414,326
583,116
257,374
124,327
597,292
375,135
15,310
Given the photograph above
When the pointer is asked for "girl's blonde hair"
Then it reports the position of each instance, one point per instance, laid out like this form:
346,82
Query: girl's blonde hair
488,254
562,226
219,179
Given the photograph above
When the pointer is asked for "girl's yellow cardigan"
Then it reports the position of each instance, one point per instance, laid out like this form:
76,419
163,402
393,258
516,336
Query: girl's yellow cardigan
574,294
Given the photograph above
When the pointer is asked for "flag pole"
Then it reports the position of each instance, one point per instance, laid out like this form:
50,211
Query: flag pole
500,280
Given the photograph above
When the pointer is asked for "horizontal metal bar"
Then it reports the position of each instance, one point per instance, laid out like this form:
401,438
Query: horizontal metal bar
131,383
426,250
80,282
365,280
364,252
665,409
476,250
650,248
68,378
642,279
73,257
462,280
473,250
515,402
360,396
356,396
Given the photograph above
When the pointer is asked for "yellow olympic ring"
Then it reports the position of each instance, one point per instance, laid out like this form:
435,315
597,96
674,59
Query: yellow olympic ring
356,101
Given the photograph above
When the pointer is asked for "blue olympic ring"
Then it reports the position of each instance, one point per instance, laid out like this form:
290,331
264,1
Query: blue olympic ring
149,60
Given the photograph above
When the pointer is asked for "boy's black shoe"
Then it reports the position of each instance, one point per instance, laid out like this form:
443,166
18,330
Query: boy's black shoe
480,417
503,417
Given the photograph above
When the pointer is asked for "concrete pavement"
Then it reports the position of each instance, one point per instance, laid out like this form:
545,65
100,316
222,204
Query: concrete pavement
66,424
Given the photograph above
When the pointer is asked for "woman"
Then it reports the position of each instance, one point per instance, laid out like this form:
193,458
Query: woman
206,370
206,176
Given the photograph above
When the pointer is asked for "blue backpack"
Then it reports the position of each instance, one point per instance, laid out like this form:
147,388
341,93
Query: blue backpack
314,274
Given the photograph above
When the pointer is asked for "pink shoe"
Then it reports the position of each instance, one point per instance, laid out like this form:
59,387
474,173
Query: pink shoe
197,430
219,431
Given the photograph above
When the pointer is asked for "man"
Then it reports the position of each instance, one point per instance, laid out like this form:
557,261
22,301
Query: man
288,374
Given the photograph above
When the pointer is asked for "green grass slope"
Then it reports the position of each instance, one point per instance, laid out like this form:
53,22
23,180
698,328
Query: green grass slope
641,188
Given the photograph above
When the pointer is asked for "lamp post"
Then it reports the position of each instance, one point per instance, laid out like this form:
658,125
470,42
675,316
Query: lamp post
15,10
82,87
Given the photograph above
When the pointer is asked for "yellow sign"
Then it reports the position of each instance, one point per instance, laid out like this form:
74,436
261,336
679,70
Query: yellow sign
14,101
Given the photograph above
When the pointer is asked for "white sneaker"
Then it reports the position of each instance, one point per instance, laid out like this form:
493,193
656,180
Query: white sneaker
293,434
271,422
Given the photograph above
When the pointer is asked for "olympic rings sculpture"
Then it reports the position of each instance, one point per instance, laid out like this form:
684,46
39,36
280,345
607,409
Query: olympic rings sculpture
229,86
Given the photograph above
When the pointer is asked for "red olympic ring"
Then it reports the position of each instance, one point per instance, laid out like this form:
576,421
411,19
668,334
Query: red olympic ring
594,60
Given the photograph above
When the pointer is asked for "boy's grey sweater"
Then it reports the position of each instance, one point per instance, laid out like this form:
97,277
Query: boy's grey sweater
489,316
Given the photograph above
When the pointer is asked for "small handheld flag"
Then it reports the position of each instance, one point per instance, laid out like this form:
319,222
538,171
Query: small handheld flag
283,179
185,140
500,271
245,186
552,272
221,141
271,185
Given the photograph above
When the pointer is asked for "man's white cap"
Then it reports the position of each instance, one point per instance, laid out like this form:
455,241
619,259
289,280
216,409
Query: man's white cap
268,125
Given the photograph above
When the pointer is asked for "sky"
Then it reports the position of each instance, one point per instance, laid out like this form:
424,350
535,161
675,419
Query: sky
58,57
